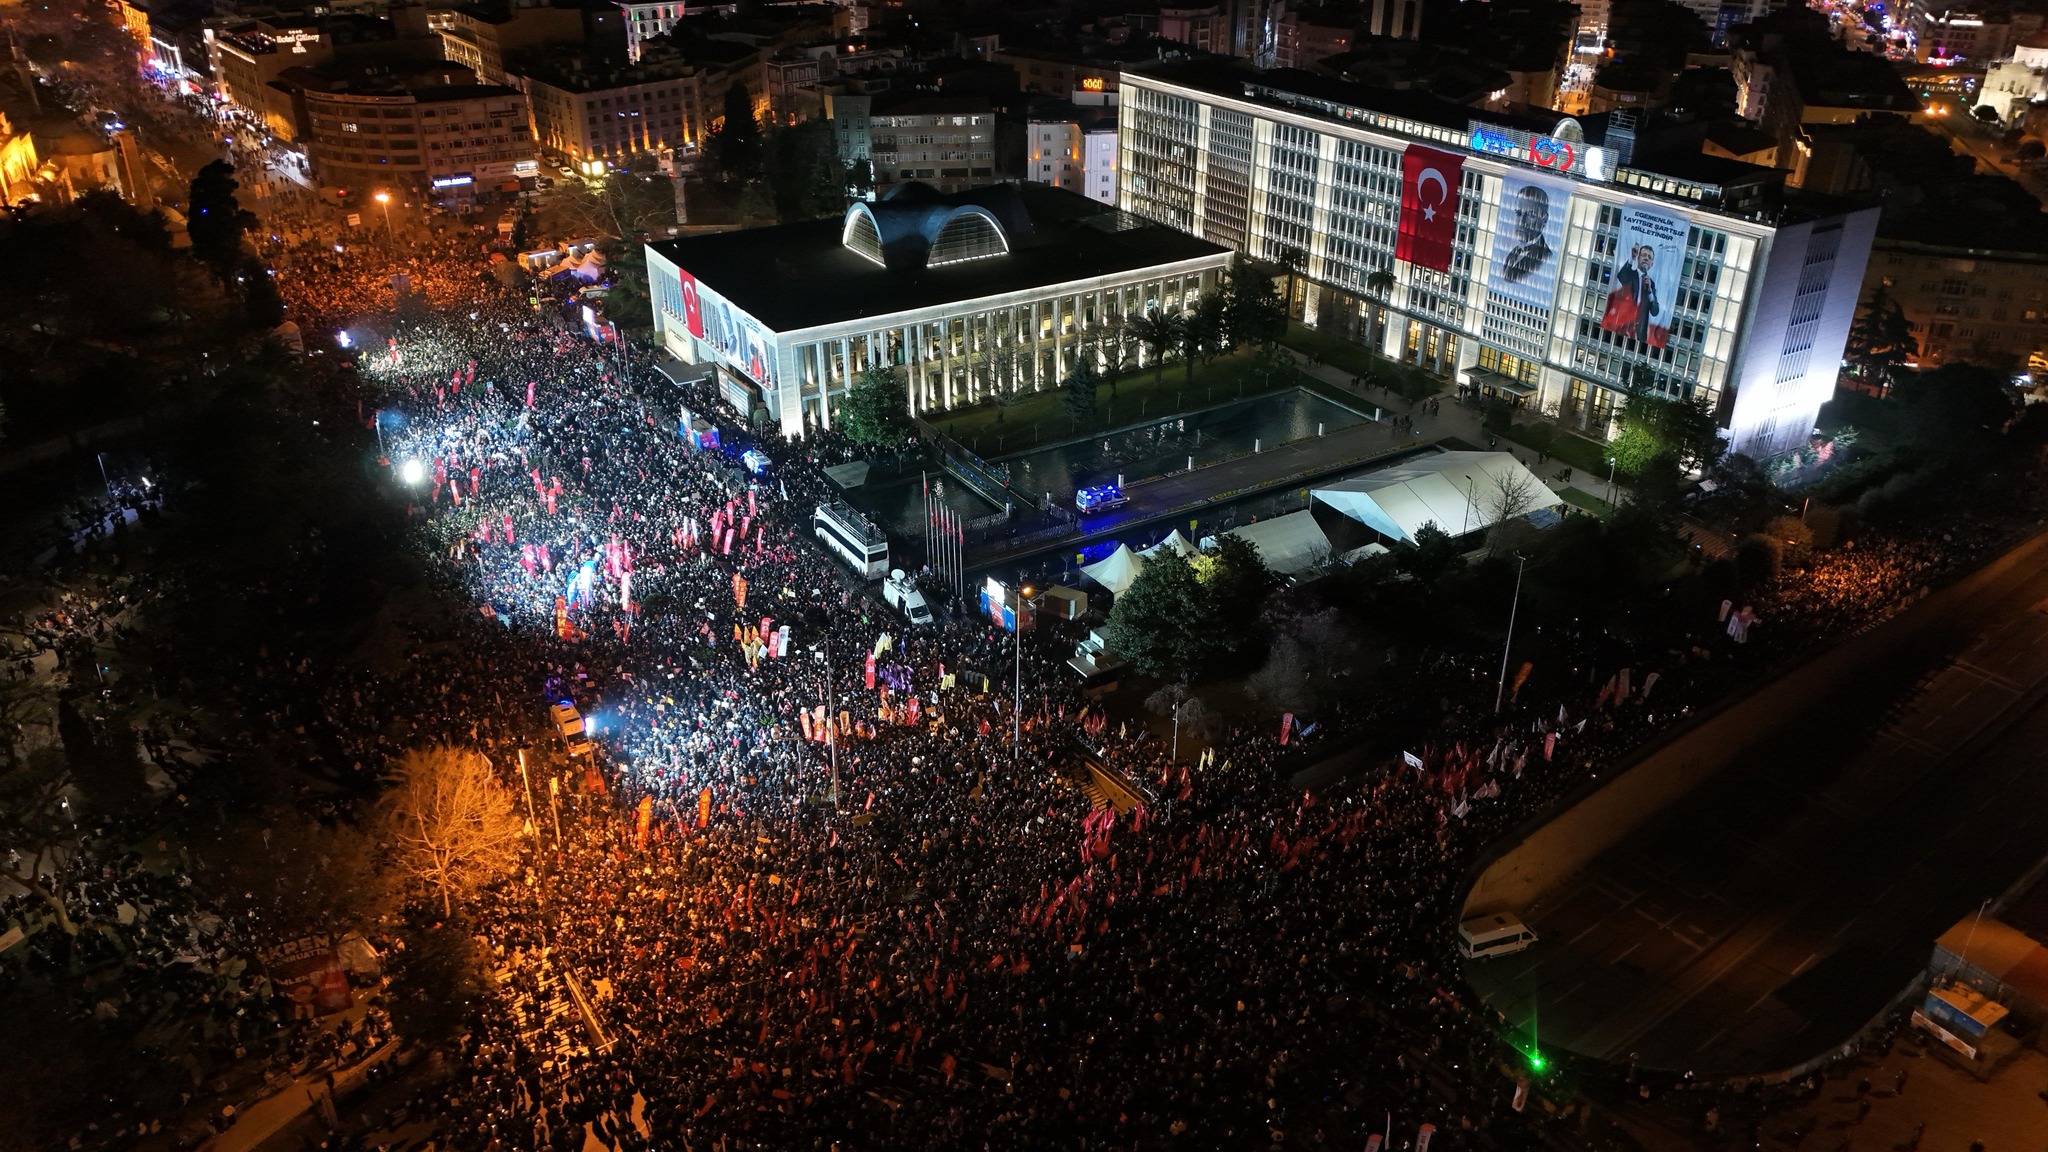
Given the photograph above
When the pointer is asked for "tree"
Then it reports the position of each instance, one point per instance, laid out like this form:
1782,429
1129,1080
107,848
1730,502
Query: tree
218,221
1082,380
1200,327
1513,492
618,208
1156,623
1159,332
806,180
1113,345
738,145
1235,583
1379,285
1432,555
39,826
1792,536
860,179
436,982
876,409
1183,616
1662,437
1880,341
1252,311
1956,409
260,301
1310,653
452,828
1293,260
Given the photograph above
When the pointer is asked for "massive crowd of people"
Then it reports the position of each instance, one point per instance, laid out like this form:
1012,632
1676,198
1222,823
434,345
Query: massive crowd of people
955,948
960,952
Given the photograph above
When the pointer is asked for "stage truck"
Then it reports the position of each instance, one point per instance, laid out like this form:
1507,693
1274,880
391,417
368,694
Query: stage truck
848,535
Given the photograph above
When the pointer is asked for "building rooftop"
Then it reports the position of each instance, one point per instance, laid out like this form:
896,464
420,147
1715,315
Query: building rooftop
796,276
577,72
913,103
1446,123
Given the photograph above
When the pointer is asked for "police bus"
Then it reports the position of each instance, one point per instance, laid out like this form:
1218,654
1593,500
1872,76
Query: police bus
848,535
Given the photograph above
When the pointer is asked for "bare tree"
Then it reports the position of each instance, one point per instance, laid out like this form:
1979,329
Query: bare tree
453,827
1512,493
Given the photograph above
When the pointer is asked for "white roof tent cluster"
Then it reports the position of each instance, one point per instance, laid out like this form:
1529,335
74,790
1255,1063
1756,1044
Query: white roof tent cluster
1459,492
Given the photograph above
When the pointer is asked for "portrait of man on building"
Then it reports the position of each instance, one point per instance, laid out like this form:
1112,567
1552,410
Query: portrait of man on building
1642,287
1530,208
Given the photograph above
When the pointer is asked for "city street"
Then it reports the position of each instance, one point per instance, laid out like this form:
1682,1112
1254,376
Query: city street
1765,917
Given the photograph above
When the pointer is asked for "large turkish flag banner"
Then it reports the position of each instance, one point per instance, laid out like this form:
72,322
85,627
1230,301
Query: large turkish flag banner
1429,206
693,310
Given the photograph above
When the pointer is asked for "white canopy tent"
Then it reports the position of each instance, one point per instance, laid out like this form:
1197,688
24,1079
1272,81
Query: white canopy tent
1116,572
1175,541
1287,543
1459,492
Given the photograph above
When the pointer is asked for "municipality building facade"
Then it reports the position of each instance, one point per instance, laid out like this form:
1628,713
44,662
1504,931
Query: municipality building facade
1552,264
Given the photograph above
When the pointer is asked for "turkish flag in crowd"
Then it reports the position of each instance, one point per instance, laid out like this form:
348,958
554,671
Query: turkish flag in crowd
1429,206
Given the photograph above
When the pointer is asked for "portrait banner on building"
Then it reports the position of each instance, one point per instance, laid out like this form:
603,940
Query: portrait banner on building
1528,243
1528,240
1643,284
1428,230
737,337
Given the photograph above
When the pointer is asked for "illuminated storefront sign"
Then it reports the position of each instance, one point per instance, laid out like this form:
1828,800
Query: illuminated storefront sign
1571,158
295,39
453,181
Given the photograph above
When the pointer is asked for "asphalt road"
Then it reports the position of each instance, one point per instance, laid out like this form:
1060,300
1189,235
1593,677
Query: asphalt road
1768,915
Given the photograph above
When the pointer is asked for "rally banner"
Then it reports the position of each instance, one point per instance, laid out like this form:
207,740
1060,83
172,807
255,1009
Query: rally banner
1528,243
1642,285
309,971
1430,183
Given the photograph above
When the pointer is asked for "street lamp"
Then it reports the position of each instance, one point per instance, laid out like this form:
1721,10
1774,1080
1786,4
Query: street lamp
384,199
1024,598
1017,680
1610,480
1501,692
1471,487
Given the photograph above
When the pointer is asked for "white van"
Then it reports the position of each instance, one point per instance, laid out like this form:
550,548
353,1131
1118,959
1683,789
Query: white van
1484,937
901,594
569,722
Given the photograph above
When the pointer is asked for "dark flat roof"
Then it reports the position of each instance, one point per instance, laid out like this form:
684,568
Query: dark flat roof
800,276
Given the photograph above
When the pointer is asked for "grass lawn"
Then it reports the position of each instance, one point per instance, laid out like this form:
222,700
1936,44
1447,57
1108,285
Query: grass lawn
1406,379
990,430
1564,448
1586,501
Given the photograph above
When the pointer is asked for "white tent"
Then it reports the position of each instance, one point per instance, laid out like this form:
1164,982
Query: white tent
1459,492
1116,573
1287,543
1175,541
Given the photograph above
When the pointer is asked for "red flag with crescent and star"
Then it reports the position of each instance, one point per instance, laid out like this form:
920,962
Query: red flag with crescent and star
1429,206
693,308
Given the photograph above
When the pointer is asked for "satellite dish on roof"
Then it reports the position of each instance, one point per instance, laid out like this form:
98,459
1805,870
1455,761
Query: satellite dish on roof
1569,131
896,574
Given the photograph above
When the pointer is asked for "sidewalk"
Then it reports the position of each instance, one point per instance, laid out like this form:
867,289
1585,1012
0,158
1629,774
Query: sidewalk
1454,421
267,1117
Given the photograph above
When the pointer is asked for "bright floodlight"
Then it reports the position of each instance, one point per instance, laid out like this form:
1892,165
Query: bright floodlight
383,197
411,472
342,338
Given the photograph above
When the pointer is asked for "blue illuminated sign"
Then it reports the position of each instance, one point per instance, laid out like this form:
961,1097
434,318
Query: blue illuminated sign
1567,157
